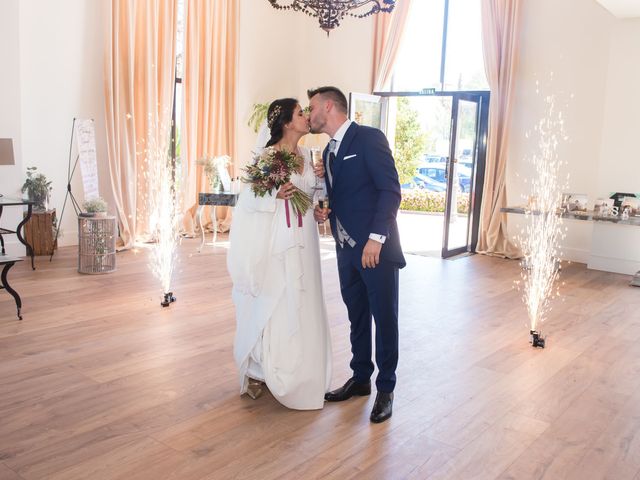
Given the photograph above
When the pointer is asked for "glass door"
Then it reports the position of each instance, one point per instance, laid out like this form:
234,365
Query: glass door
462,168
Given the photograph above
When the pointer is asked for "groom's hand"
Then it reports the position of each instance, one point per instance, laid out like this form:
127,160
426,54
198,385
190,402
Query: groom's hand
371,254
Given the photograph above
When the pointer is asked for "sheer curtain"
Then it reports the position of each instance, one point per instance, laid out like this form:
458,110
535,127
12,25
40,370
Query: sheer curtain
499,39
139,79
387,37
210,72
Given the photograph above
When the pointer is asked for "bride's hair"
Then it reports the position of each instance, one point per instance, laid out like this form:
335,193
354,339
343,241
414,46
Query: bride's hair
279,114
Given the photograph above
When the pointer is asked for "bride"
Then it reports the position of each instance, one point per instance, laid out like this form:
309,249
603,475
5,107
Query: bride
282,334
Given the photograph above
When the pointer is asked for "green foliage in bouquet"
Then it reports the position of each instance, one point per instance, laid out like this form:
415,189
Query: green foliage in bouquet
272,169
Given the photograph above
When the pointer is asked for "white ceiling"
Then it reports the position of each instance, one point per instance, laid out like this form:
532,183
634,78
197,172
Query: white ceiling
622,8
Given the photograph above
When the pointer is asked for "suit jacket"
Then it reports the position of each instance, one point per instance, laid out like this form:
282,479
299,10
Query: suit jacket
365,194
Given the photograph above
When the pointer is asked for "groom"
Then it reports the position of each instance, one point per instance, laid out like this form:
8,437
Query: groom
364,196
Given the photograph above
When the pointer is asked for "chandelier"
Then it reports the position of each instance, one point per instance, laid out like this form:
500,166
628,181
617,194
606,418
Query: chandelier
330,12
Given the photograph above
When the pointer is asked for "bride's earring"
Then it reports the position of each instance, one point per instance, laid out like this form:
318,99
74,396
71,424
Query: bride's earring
254,388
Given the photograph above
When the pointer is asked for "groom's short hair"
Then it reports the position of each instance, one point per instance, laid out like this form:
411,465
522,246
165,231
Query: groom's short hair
333,94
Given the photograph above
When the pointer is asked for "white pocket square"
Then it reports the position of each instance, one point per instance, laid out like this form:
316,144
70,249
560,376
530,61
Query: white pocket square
350,156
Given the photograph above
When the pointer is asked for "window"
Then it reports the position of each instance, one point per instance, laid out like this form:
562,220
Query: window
442,48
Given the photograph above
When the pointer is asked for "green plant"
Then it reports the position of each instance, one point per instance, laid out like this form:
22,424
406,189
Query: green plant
410,141
212,166
95,205
425,201
37,187
258,115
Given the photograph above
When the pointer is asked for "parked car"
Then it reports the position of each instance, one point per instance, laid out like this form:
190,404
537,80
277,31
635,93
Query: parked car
428,158
420,182
429,183
438,173
465,158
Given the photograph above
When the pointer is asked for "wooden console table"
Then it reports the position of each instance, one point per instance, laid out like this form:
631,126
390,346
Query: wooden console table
214,200
12,202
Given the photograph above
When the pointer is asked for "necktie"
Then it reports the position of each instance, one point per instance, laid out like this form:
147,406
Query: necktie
332,155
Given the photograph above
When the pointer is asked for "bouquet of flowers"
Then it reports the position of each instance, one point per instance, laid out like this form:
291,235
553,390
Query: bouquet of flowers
272,169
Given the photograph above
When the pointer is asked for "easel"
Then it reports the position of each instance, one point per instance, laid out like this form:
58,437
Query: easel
69,194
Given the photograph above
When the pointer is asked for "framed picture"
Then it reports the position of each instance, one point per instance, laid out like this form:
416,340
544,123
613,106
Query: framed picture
574,202
630,205
619,196
603,207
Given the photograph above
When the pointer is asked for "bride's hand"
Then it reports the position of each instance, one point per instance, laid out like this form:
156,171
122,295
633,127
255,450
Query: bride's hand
318,169
286,191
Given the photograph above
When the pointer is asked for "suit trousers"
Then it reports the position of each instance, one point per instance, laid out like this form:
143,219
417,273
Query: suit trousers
366,293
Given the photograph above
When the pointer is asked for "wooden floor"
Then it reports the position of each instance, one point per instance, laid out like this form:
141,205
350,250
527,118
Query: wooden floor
99,382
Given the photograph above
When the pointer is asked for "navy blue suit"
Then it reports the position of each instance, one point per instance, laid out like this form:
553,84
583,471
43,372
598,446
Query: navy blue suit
365,197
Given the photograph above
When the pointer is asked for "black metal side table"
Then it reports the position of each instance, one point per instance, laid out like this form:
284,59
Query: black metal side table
9,262
11,202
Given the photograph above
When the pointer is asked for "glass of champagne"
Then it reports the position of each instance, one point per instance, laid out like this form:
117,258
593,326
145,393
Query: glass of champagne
316,161
323,203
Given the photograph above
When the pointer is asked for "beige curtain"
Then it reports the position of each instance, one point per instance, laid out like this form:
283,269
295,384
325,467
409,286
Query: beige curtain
139,80
499,39
210,73
387,37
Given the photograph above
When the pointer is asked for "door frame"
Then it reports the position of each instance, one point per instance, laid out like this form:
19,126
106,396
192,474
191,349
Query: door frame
482,97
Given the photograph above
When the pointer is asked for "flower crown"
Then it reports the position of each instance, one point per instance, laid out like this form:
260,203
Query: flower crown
273,116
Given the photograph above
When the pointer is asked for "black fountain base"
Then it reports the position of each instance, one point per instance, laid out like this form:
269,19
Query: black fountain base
168,299
537,340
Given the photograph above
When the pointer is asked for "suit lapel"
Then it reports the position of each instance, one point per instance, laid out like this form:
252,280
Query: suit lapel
344,148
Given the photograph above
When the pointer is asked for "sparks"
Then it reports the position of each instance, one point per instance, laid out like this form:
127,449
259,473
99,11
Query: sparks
162,208
540,238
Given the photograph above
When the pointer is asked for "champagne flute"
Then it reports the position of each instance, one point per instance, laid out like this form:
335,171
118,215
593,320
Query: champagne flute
316,161
323,203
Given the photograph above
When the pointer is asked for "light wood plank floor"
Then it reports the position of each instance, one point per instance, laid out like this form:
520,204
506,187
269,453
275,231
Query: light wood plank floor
99,382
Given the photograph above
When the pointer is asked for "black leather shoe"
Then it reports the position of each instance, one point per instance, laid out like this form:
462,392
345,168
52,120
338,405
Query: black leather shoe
348,390
382,408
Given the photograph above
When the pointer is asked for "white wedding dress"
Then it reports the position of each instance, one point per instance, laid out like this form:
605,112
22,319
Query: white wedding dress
282,334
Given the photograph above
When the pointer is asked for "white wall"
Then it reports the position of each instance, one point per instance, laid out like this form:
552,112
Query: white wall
283,53
566,47
11,177
61,70
617,248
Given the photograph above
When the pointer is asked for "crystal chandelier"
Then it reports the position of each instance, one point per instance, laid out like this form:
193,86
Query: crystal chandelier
330,12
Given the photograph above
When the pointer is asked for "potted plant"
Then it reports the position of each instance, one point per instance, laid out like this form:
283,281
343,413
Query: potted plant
38,189
94,207
212,167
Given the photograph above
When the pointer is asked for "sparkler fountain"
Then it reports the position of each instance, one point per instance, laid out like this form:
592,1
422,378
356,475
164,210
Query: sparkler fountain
163,211
540,237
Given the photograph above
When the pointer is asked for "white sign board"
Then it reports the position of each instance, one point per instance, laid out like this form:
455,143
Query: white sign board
86,141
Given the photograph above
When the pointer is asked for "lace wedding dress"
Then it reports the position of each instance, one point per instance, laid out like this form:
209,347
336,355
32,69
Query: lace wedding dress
282,334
